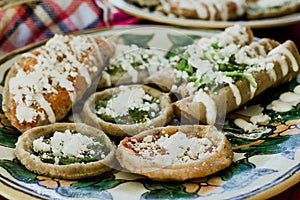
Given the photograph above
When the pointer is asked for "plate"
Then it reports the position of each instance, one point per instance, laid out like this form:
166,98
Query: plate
266,162
197,23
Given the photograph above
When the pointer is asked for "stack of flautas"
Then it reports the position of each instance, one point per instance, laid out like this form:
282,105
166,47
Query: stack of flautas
219,74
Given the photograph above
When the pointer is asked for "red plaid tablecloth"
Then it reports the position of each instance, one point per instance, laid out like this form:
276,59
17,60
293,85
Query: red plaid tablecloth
26,21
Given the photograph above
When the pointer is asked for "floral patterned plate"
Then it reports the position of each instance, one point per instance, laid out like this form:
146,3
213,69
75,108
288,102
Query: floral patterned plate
266,161
197,23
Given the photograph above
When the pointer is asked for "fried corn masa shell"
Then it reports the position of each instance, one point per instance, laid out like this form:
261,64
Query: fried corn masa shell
205,10
116,129
283,63
153,162
41,87
25,152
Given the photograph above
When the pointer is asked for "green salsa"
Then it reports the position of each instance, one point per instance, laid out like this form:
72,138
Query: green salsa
62,150
114,109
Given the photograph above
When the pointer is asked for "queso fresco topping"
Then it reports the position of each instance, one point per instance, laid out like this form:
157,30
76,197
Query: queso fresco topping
130,105
68,147
133,59
177,148
215,61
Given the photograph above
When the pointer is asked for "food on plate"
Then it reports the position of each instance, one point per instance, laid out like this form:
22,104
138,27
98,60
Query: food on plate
219,74
131,64
43,84
127,110
198,83
185,61
221,10
145,2
65,150
258,9
175,152
202,9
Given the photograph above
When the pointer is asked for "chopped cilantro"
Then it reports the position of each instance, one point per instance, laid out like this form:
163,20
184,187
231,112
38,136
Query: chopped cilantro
184,66
246,76
216,45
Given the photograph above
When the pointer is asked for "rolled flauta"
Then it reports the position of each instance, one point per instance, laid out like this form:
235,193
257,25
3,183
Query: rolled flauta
203,9
280,66
43,84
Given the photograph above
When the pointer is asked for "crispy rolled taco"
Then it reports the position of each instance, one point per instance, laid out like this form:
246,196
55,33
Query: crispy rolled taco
228,76
43,84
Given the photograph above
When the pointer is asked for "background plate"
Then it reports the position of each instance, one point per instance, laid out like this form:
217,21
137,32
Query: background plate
195,23
265,162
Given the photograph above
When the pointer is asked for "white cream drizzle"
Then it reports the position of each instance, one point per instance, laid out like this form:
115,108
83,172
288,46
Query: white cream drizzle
272,73
281,49
201,10
210,106
236,93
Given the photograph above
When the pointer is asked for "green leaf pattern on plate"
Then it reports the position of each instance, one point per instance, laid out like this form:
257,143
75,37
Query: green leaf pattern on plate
236,177
18,171
139,40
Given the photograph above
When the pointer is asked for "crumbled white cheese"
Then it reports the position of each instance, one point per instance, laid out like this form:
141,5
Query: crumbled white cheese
65,144
206,56
129,98
132,59
39,145
229,36
174,149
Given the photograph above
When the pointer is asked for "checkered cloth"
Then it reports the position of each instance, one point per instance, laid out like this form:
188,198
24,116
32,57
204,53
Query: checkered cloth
26,21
